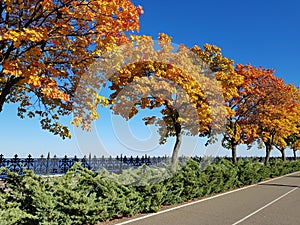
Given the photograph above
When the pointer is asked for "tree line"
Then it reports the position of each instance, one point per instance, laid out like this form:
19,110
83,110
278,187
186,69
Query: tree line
51,52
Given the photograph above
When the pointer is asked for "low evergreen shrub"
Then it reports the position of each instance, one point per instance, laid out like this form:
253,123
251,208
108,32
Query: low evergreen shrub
85,197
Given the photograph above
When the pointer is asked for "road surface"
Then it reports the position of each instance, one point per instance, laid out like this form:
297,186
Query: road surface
275,202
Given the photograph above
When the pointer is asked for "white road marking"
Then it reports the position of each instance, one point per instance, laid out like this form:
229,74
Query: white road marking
202,200
265,206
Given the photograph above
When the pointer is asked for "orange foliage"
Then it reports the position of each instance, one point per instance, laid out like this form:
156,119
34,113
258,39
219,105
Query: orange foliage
268,108
46,46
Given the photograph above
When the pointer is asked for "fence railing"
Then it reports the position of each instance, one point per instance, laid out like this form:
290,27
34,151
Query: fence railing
54,165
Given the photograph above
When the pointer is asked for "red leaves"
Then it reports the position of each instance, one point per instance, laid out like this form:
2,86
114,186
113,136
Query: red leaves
140,10
266,101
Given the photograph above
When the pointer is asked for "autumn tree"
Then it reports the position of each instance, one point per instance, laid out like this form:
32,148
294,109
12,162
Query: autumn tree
294,143
240,128
224,70
271,108
294,139
236,128
180,82
47,45
282,112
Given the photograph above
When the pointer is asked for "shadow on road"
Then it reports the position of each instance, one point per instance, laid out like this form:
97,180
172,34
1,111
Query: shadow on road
281,185
293,176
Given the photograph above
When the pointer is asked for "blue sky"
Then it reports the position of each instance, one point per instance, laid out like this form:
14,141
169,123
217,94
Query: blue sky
263,33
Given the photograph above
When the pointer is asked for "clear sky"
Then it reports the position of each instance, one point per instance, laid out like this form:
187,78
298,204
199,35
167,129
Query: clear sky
263,33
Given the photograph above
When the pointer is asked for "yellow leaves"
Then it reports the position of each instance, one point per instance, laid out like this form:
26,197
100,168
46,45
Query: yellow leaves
18,36
223,68
165,42
47,86
10,35
297,145
47,4
34,35
54,93
11,68
34,81
180,120
102,100
211,48
97,52
230,112
94,115
12,71
77,121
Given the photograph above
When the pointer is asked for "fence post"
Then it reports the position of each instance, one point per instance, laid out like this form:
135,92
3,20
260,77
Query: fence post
47,164
121,164
90,162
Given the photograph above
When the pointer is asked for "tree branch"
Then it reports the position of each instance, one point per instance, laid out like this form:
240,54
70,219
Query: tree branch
7,89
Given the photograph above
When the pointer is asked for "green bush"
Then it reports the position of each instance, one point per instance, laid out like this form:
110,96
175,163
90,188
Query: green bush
28,200
85,197
188,183
153,197
250,171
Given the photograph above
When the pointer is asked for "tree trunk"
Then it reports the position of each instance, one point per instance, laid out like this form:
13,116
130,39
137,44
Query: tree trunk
283,157
177,127
295,155
233,153
268,152
176,151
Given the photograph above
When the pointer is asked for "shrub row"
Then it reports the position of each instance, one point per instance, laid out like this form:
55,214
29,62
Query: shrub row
85,197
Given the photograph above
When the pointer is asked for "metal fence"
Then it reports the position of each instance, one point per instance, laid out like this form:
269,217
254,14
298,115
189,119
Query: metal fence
54,165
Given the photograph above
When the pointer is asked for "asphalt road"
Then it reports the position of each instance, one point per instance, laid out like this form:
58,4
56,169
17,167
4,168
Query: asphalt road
275,202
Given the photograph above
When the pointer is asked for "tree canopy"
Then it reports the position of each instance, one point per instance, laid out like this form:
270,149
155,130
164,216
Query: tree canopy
187,85
265,110
47,45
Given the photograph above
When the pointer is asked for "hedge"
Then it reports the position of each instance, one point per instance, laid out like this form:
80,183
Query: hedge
83,197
